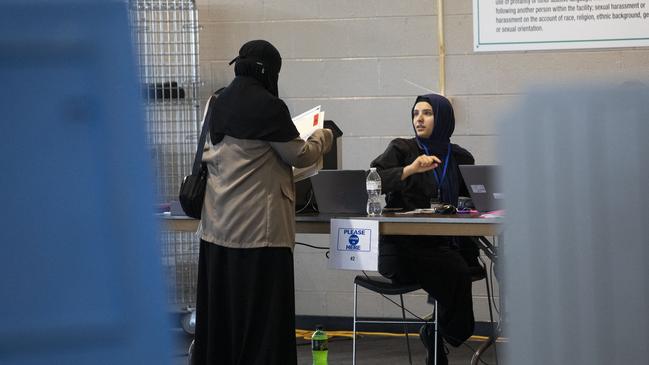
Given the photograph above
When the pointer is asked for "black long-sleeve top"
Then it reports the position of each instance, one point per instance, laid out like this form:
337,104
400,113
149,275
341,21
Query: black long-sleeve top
417,190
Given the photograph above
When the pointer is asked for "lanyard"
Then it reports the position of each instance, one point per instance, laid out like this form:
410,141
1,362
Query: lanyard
440,181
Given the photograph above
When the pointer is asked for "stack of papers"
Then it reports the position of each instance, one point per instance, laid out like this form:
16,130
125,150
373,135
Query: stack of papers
307,123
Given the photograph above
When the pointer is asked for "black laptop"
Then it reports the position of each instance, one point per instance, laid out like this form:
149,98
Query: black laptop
483,184
340,191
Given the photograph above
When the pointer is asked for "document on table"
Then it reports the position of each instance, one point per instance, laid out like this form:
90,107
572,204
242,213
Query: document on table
307,123
418,211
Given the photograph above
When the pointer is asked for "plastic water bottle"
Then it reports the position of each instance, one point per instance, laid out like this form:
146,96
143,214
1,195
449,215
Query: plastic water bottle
373,184
319,346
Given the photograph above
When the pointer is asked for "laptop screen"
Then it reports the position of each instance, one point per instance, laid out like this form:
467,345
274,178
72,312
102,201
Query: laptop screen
340,191
483,184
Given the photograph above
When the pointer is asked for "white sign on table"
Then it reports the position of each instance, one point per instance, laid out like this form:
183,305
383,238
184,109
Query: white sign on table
354,244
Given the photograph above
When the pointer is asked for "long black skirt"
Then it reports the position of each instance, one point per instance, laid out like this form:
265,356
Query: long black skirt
245,306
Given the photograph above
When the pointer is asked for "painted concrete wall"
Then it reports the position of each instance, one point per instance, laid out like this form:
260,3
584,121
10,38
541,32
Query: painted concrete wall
364,62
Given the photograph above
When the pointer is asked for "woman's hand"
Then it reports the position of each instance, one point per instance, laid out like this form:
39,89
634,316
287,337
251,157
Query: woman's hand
421,164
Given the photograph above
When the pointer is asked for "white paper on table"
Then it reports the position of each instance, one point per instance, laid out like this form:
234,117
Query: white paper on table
417,211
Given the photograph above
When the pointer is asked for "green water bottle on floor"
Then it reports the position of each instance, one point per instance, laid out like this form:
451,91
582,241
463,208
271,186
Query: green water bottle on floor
319,346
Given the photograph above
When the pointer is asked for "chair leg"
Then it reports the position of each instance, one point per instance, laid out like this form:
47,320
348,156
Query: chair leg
354,330
436,334
489,298
405,329
494,331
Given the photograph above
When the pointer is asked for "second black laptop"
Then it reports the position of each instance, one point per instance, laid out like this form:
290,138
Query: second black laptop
483,184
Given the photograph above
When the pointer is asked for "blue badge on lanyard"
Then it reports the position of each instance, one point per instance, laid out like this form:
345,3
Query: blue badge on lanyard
440,181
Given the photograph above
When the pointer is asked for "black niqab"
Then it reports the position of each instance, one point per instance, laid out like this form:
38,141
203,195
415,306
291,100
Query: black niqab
260,60
249,108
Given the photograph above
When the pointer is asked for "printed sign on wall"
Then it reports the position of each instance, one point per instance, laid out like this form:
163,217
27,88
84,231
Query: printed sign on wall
354,244
516,25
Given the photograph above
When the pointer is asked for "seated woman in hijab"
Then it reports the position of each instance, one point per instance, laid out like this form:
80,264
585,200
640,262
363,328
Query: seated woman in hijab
245,310
414,172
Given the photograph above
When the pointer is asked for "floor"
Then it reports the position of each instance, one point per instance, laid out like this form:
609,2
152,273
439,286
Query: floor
370,350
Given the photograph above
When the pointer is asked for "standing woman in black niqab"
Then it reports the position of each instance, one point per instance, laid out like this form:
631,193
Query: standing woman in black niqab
249,108
245,301
415,172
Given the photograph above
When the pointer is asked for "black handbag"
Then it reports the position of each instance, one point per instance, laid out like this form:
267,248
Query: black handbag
192,189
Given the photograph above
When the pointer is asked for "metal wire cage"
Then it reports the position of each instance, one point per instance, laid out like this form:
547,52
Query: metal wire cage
165,33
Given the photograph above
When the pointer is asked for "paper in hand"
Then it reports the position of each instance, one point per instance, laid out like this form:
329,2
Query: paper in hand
307,123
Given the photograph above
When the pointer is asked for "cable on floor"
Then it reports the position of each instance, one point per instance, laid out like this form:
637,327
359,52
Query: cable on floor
306,334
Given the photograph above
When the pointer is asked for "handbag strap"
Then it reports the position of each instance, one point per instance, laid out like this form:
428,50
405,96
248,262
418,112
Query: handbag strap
198,158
